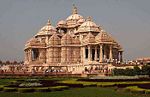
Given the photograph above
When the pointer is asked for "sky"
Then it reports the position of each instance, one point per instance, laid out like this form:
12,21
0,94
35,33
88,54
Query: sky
128,21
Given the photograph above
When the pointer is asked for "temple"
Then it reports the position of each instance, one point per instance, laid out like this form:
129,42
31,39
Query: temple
75,45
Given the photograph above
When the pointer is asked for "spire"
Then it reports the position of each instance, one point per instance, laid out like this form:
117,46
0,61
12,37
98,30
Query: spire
74,10
89,18
48,22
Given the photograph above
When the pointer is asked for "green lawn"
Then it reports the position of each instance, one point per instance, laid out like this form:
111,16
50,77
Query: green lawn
76,92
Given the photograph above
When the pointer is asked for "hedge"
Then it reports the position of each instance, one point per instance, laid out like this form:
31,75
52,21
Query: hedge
44,89
24,90
74,83
58,88
106,84
7,89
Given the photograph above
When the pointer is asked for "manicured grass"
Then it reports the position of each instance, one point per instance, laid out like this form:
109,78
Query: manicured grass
5,81
76,92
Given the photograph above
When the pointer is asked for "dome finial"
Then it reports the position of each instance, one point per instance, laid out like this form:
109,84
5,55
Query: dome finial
74,10
89,18
48,22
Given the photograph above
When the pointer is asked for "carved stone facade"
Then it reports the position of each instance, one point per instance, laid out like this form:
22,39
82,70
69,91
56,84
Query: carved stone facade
72,46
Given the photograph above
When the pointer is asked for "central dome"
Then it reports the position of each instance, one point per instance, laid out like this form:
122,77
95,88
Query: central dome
75,15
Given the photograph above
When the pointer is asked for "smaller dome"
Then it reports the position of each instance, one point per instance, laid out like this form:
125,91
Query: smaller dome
81,21
48,29
61,22
33,40
88,26
66,39
89,39
103,37
54,40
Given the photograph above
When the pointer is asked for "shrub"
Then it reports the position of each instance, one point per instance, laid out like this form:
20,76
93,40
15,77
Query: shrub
1,88
24,90
44,89
58,88
7,89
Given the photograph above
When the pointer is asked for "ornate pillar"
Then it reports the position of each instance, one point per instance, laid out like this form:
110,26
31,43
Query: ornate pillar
26,56
83,50
89,53
30,55
110,53
95,53
46,40
117,56
101,53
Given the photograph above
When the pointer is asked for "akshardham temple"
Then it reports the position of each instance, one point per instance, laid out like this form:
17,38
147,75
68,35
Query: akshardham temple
75,45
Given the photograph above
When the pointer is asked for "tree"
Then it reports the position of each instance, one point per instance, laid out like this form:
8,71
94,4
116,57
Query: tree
146,70
118,71
129,72
137,70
